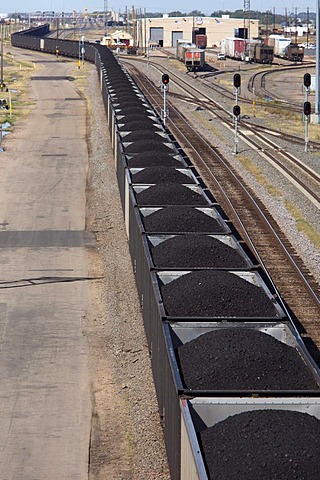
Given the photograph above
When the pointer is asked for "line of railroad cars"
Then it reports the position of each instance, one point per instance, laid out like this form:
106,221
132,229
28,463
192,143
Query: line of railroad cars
285,48
189,54
247,50
237,390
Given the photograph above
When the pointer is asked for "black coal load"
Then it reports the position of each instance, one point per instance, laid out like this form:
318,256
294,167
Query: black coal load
263,445
170,194
196,251
181,219
148,146
127,96
215,293
242,359
132,107
149,159
137,117
160,175
139,134
137,109
145,123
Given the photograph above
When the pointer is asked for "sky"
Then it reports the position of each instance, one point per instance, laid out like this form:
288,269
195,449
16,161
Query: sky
165,6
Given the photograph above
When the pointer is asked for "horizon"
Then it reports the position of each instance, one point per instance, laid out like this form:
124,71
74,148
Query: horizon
27,6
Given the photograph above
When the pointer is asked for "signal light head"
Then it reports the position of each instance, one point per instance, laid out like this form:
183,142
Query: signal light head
237,80
307,80
165,79
307,108
236,111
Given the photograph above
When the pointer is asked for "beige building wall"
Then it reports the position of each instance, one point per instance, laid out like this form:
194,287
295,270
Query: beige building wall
217,28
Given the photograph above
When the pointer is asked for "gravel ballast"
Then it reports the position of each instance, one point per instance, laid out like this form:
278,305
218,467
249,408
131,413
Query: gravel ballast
264,444
242,359
187,251
123,395
215,293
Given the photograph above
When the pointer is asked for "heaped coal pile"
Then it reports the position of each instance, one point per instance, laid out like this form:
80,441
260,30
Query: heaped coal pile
215,293
187,251
139,134
144,124
136,117
263,445
127,96
170,194
129,110
128,100
161,175
242,359
149,159
148,146
181,219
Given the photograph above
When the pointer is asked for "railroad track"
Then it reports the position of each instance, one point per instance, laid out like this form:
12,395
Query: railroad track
257,84
292,279
198,97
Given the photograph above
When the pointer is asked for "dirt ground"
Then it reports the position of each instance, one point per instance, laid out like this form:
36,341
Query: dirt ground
126,440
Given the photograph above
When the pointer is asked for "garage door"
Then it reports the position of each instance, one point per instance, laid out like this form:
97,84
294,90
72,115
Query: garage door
156,34
176,36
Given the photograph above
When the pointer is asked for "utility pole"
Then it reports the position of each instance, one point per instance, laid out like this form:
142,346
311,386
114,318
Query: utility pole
2,38
105,17
317,109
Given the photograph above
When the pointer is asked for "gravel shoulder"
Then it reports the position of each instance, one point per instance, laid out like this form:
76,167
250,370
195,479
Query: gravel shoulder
127,439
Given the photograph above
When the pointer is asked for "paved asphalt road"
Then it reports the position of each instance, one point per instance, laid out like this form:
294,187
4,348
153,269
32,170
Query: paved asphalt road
45,408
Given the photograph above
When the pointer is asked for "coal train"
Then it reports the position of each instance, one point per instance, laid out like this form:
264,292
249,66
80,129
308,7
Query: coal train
238,393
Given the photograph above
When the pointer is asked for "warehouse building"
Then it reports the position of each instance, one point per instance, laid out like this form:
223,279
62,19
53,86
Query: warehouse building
167,30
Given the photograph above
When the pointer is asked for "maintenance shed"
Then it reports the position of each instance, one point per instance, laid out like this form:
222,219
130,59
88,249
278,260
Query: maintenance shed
167,30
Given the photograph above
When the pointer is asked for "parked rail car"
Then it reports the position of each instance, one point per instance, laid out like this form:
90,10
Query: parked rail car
194,59
188,411
294,52
190,55
263,54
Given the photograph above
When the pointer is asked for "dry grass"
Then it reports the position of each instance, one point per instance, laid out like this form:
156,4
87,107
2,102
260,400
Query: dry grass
256,172
17,78
302,224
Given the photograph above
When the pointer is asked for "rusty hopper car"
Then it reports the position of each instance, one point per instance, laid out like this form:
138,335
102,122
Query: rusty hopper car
294,52
263,54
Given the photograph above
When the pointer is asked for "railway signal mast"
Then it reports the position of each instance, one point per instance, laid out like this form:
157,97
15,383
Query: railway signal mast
306,108
165,85
236,109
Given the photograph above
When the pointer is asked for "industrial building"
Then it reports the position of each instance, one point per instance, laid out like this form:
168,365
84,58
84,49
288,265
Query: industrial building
167,30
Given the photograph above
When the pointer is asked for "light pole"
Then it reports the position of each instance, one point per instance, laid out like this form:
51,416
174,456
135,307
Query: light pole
1,74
